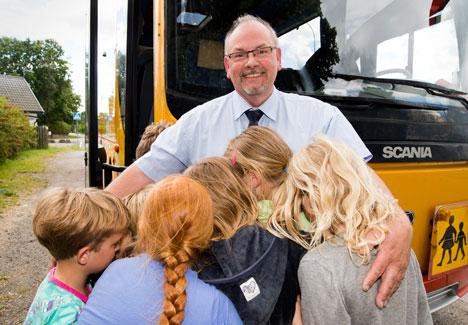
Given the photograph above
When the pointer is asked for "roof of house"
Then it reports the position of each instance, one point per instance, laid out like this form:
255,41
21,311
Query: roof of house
17,91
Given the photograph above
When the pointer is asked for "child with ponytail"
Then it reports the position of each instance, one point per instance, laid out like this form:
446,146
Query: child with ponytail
255,269
260,157
349,215
158,286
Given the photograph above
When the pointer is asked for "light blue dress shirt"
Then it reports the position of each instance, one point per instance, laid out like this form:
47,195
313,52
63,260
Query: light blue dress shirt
206,130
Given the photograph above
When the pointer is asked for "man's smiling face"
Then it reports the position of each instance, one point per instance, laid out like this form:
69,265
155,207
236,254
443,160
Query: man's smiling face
253,77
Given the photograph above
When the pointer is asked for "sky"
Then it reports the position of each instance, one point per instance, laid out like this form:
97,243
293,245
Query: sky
65,21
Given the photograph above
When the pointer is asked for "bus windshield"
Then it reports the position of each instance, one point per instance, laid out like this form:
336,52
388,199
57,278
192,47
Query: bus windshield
411,51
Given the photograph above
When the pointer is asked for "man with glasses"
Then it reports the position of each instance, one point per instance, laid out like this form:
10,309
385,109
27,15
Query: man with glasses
252,60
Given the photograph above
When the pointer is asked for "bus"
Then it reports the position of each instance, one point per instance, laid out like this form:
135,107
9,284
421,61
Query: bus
397,69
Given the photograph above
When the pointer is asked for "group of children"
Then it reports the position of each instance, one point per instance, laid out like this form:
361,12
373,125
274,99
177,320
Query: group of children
259,236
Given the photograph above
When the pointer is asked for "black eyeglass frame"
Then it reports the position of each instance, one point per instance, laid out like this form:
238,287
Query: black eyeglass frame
255,53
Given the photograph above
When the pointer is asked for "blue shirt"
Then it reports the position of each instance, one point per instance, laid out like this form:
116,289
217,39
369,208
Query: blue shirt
206,130
131,291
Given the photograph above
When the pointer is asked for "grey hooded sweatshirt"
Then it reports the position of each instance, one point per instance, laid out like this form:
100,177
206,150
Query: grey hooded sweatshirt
258,272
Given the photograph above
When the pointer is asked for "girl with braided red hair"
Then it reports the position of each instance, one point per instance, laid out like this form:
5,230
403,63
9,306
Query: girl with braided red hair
158,286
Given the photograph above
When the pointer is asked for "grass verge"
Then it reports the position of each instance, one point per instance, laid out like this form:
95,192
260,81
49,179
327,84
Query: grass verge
23,174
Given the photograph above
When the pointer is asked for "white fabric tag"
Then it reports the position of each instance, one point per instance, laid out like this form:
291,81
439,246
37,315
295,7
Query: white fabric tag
250,289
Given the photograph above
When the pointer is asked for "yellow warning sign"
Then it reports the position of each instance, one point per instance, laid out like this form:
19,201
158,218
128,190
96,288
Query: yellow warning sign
449,239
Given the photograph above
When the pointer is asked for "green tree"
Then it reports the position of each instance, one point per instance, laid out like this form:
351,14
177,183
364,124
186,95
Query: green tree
42,64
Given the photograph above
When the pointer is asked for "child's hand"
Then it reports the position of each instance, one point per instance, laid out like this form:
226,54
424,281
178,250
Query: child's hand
297,320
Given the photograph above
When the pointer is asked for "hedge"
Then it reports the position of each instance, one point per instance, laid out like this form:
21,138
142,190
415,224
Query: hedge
59,127
15,132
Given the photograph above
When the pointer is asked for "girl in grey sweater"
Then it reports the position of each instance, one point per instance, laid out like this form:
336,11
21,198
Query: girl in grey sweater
349,217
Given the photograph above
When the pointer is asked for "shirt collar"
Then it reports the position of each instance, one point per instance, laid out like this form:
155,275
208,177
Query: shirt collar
269,107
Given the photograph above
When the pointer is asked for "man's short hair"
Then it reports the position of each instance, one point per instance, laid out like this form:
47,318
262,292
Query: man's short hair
150,134
246,19
67,220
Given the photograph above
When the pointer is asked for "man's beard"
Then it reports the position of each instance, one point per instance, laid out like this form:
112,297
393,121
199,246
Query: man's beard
252,91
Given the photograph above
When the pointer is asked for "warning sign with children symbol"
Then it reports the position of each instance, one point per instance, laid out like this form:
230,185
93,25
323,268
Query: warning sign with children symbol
449,240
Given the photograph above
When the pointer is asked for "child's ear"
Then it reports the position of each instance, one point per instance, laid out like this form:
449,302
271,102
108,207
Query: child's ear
254,180
83,255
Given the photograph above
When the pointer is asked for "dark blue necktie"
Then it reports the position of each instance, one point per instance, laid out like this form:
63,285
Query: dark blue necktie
253,116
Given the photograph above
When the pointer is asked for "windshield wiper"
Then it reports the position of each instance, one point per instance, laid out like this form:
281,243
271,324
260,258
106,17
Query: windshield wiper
361,102
429,87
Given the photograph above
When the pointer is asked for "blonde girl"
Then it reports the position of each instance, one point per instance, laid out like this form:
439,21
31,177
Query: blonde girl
255,269
260,157
234,206
158,286
335,188
134,202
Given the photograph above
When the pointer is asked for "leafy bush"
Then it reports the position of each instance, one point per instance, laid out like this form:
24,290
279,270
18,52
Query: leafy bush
15,132
60,127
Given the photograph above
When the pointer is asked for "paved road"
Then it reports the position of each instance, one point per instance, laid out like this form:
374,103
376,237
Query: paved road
455,314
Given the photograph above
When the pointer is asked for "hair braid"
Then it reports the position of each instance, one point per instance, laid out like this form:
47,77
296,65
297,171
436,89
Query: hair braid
175,226
175,297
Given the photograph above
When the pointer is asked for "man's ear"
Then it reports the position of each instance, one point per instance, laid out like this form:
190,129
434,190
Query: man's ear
83,255
278,58
226,67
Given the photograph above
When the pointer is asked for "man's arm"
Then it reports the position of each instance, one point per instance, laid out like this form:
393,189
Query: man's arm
165,157
393,257
130,181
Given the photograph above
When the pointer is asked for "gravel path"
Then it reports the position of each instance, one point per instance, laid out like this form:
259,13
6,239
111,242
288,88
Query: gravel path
23,262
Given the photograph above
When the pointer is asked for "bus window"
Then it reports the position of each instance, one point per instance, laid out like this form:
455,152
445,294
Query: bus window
429,42
392,64
300,44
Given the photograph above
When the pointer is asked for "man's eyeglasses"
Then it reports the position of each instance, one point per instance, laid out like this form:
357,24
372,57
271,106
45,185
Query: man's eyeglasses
261,52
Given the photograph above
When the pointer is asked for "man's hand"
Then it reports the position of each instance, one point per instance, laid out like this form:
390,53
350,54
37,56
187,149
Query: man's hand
392,260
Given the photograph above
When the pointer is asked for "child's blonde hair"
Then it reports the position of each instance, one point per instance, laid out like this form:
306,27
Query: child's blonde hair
67,220
150,134
261,150
134,203
343,198
234,206
175,226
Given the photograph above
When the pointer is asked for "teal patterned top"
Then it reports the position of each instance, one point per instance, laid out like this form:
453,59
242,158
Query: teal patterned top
55,303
